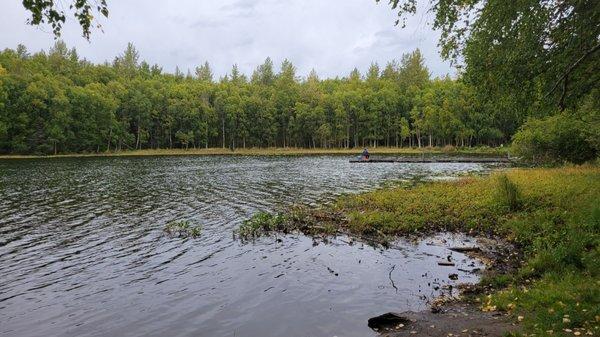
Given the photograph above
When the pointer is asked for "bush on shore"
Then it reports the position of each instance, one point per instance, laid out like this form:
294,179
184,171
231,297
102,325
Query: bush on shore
570,136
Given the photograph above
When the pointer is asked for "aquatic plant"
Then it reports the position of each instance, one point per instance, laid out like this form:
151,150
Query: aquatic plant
183,228
261,223
298,218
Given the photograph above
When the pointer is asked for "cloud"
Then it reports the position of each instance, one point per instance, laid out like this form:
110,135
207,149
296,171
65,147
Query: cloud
240,8
332,36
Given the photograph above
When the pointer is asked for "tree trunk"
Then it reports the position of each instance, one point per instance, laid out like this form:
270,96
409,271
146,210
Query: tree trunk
108,142
137,141
223,130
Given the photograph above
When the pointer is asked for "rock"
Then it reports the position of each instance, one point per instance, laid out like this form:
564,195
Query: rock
387,321
453,277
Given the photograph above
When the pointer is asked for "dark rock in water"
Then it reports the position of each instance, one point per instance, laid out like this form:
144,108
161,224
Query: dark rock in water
387,321
453,276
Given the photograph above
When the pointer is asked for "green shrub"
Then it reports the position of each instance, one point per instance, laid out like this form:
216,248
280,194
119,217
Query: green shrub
555,139
589,112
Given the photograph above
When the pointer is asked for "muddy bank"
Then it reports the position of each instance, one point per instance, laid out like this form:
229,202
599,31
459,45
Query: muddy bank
454,319
451,312
498,255
458,314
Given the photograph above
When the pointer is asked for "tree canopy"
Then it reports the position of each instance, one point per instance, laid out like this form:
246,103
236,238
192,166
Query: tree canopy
53,102
532,63
538,54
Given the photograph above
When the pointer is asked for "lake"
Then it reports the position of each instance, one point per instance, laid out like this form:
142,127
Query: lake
83,251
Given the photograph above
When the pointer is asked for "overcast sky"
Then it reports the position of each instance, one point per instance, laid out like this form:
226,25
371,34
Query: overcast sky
331,36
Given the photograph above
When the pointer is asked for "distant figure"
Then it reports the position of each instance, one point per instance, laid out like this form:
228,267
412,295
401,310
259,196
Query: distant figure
365,154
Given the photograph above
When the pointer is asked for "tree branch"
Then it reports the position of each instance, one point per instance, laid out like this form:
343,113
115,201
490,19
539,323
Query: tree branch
561,102
570,69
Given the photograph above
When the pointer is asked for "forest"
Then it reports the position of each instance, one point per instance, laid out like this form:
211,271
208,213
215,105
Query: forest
56,102
527,76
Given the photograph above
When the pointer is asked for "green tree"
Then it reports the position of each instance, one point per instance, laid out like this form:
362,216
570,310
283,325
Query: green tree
204,73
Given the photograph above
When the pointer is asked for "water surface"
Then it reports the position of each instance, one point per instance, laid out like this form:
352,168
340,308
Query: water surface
82,251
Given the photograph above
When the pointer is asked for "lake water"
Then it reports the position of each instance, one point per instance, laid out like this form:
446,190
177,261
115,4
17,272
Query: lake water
83,252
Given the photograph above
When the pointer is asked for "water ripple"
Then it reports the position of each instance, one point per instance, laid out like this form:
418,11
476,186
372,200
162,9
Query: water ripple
83,253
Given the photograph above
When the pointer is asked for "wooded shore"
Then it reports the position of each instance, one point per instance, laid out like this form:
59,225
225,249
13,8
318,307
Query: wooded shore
288,151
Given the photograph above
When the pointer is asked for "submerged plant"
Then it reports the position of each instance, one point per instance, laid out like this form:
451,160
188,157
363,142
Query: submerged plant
183,228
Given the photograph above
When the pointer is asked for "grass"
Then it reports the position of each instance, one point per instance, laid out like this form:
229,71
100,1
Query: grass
183,228
551,214
289,151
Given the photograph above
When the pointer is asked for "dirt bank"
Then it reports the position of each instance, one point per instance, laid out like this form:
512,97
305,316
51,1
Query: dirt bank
455,319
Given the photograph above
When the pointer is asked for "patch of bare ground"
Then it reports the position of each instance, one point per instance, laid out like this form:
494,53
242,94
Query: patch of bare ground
453,319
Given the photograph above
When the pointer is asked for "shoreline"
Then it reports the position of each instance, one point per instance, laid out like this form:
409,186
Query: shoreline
550,215
355,152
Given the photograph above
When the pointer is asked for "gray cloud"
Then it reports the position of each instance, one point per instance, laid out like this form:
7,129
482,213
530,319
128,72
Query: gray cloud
331,36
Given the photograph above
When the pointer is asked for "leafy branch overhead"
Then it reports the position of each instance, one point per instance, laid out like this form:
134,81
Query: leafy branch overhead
53,13
533,45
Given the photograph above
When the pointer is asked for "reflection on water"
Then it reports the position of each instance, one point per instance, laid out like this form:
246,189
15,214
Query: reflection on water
82,252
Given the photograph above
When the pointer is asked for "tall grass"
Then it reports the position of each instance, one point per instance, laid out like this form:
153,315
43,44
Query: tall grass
508,193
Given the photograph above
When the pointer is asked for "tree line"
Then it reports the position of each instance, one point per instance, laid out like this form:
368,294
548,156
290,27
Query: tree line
529,74
57,102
